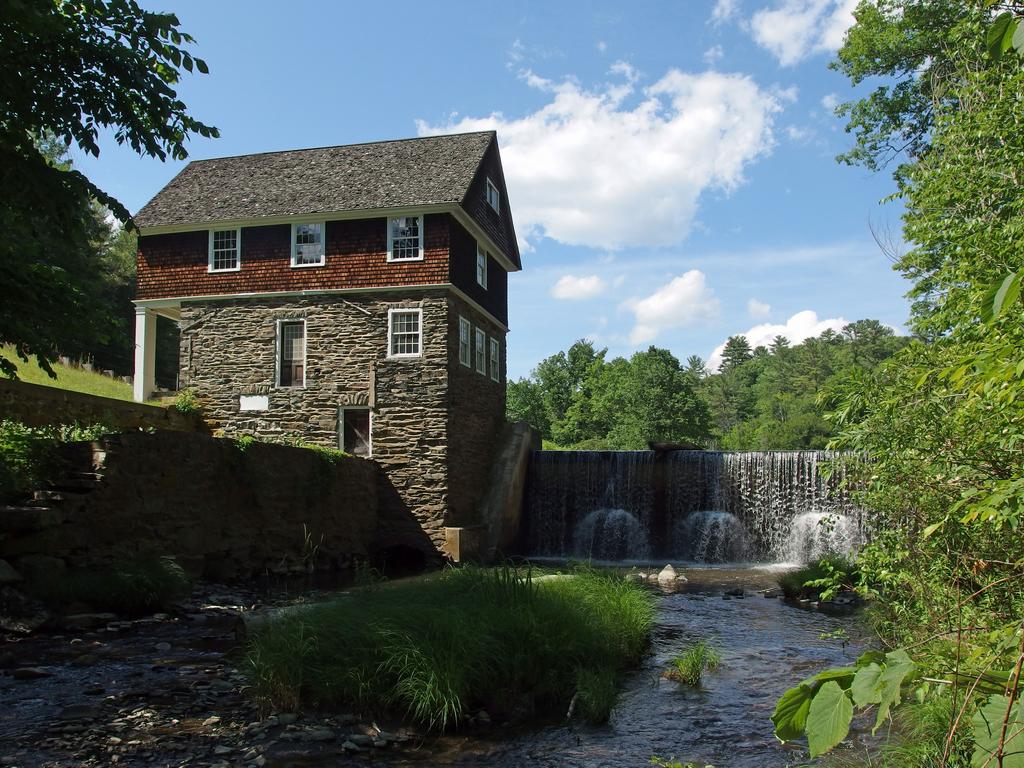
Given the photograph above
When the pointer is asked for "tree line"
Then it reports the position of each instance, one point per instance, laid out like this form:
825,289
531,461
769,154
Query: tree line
761,398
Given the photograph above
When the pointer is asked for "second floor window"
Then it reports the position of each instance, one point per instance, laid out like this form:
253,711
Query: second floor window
405,238
291,363
405,332
224,249
481,352
308,245
481,266
495,360
465,342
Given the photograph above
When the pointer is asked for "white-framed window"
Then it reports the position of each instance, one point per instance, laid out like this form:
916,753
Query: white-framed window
481,266
291,353
405,332
308,244
225,250
465,342
495,359
405,238
493,196
481,352
355,431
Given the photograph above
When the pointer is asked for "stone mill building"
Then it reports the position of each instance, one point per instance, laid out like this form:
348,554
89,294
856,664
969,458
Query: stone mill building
351,296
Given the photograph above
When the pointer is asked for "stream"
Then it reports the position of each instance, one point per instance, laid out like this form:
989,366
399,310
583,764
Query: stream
166,691
767,646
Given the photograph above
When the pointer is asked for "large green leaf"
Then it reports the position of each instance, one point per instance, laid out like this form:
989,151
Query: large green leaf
889,685
988,729
1006,294
828,720
1018,38
842,675
1000,34
865,686
790,717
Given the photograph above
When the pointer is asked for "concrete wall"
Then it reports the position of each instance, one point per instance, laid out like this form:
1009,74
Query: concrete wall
223,512
38,405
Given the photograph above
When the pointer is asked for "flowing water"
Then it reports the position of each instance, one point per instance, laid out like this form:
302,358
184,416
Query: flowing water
695,506
767,646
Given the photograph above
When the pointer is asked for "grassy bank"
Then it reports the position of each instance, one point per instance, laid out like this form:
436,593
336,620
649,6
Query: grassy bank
74,379
439,650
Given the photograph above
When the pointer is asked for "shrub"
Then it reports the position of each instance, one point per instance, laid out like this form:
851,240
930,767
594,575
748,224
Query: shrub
130,588
439,648
689,667
826,576
187,402
28,454
242,442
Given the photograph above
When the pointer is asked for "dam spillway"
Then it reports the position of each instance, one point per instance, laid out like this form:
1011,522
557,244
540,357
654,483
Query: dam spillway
696,506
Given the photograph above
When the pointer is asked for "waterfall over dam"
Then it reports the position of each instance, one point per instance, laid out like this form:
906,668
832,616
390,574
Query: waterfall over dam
697,506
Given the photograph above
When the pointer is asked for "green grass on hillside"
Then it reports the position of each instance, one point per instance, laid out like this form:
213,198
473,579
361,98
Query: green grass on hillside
74,379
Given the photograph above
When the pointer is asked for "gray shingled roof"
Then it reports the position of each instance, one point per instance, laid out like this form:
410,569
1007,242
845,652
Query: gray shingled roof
386,174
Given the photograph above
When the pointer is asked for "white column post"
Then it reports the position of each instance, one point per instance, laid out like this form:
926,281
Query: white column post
144,381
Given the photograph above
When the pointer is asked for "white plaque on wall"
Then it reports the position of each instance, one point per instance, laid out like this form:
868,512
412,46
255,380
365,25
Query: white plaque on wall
253,402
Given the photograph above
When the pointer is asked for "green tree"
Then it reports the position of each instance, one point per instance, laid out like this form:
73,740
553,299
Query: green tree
524,402
68,70
736,352
942,421
651,399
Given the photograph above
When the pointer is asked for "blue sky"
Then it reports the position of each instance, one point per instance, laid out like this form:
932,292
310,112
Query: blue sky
670,165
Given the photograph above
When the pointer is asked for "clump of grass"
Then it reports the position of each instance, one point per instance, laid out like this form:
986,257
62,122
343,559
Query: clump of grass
437,649
597,692
689,666
809,582
130,588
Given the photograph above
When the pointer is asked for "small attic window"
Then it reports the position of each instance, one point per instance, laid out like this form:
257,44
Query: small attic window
493,196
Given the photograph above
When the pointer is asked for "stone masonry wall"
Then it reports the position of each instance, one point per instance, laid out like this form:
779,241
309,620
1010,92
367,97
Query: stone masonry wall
228,349
222,511
38,405
475,419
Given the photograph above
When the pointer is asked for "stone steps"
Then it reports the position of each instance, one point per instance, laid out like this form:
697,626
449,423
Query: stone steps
26,519
77,482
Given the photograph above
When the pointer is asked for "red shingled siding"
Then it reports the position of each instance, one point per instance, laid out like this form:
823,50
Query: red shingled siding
176,264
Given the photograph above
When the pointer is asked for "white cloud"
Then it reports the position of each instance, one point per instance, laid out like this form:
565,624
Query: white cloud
601,46
682,301
723,11
799,133
574,288
801,326
714,54
830,101
625,165
793,30
758,310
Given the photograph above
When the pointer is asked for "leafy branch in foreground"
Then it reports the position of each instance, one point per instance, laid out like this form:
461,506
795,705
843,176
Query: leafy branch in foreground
67,71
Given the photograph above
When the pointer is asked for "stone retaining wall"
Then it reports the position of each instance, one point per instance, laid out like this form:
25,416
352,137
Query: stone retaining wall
222,511
38,406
